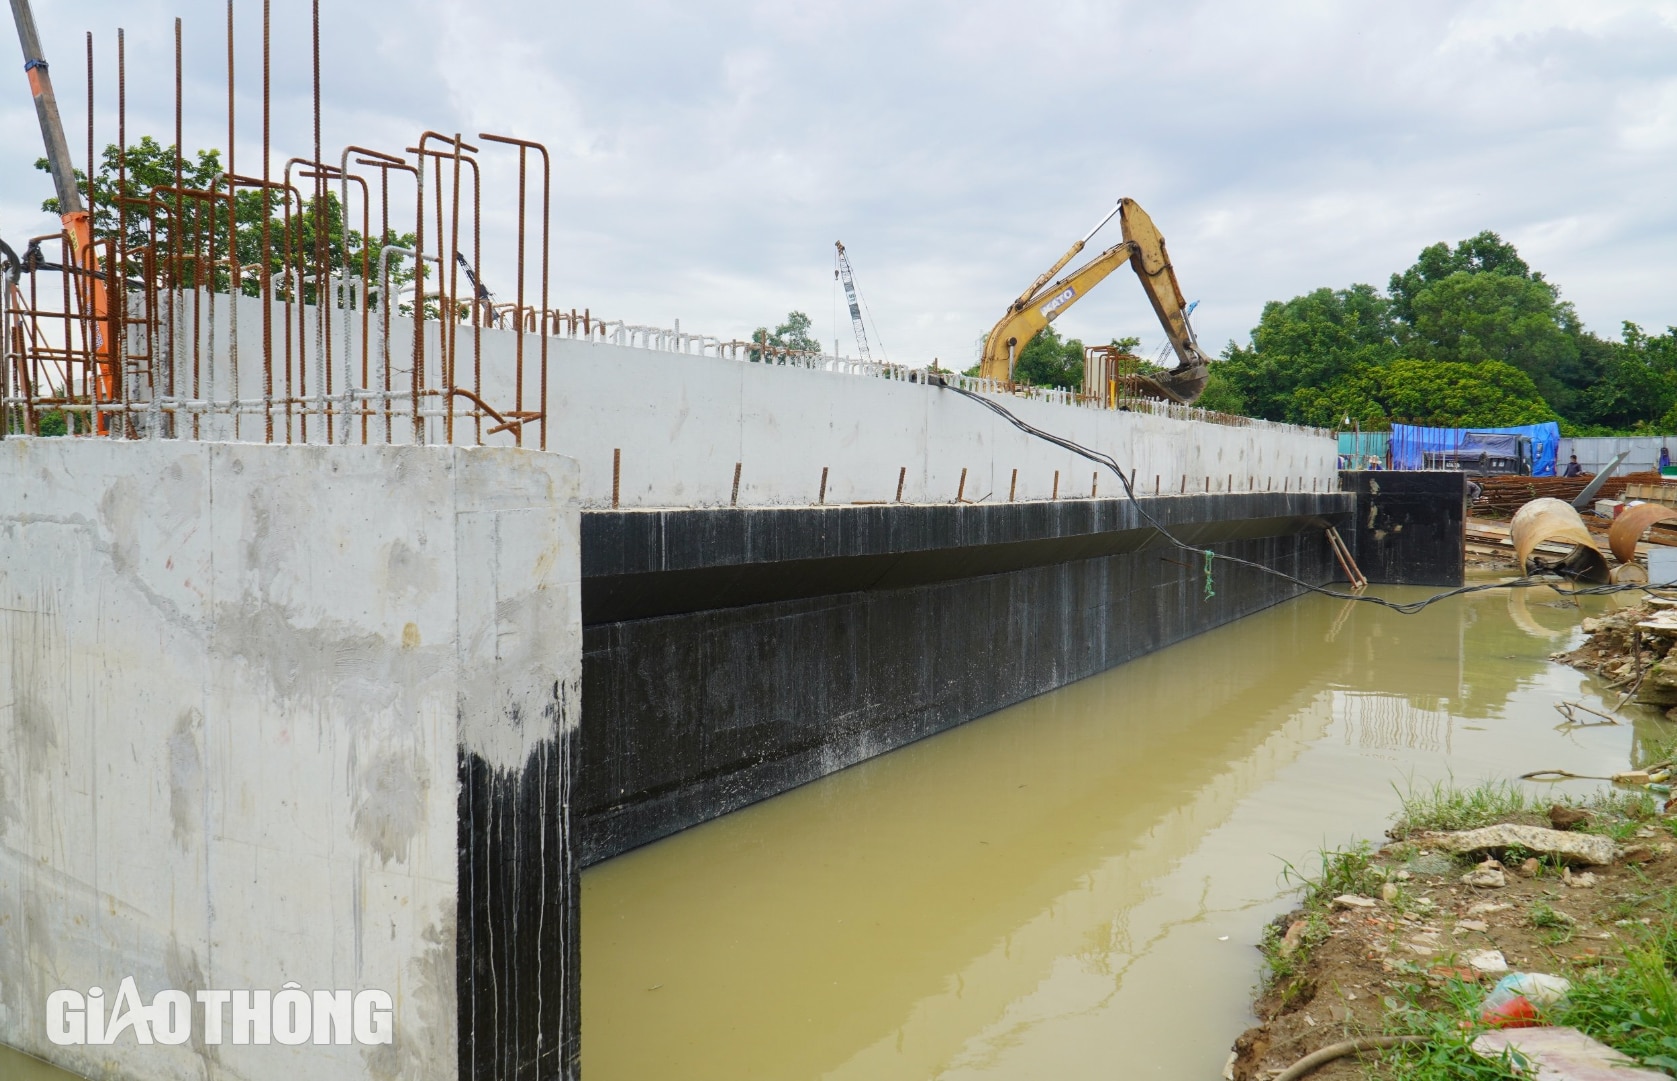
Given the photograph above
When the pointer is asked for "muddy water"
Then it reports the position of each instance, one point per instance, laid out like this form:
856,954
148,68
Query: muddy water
1069,888
17,1066
1072,887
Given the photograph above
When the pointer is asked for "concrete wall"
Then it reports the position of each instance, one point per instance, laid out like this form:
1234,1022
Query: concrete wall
271,714
733,655
682,421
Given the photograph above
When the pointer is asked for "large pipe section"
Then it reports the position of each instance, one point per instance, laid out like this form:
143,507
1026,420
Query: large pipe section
1629,526
1551,521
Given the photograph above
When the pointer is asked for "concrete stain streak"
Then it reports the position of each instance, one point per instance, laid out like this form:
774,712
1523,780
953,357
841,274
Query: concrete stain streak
409,572
428,1051
186,777
331,661
186,973
499,720
390,808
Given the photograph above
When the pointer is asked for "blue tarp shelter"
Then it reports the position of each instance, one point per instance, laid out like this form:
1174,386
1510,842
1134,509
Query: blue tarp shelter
1409,443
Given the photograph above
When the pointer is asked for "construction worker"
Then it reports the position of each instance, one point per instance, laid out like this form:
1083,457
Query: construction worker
1573,469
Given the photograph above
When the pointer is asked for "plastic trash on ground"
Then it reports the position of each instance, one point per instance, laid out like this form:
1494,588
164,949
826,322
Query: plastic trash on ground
1518,997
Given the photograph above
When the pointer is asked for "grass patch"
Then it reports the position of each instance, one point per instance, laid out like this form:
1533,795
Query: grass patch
1350,870
1444,807
1636,804
1633,1006
1621,812
1448,1053
1343,870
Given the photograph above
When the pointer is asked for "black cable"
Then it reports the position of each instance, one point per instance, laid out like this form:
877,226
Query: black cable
1404,607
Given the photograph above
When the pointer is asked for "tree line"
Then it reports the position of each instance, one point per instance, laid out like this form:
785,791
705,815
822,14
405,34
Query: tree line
1468,336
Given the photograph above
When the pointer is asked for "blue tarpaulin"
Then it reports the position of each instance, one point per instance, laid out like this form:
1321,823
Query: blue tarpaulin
1409,443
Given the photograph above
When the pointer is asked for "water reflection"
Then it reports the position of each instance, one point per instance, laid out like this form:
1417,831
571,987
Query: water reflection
1071,887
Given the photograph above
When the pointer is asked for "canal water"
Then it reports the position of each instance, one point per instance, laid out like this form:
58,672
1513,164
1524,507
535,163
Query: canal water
1072,887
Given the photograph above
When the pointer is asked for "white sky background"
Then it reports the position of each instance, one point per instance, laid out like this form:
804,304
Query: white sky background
706,156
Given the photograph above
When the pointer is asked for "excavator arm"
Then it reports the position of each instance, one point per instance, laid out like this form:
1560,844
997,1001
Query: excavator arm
1144,249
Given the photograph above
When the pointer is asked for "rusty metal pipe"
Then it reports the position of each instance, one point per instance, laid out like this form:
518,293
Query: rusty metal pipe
1552,521
1629,526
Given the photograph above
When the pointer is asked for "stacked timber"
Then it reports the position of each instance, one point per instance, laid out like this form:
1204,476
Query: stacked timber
1507,494
1493,540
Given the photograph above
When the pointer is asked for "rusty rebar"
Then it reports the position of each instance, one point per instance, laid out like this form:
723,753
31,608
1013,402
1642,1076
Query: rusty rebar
168,239
525,145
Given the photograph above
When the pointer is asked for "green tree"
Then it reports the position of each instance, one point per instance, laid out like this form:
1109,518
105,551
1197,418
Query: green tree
1435,393
1635,387
1471,317
1469,335
1308,341
794,334
1221,395
1050,361
1486,253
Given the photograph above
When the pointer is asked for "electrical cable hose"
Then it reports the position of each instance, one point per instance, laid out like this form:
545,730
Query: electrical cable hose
1407,608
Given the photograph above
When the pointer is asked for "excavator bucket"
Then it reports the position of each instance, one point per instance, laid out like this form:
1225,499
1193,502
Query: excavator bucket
1176,385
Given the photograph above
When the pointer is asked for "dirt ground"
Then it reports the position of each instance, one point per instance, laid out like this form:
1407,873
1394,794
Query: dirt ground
1648,676
1539,921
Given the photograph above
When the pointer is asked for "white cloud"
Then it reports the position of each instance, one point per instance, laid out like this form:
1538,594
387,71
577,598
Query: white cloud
706,157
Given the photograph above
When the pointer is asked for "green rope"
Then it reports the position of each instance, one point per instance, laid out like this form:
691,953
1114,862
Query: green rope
1209,592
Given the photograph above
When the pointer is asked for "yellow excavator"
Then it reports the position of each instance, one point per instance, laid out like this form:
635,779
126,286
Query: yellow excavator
1144,249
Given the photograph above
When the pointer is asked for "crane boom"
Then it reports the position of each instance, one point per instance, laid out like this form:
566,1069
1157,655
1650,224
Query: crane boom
844,274
1144,249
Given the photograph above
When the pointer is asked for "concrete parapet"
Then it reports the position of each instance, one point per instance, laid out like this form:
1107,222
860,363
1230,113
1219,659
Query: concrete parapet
275,715
654,428
681,424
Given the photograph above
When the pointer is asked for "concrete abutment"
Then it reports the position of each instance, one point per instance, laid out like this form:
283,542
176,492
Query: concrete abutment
279,715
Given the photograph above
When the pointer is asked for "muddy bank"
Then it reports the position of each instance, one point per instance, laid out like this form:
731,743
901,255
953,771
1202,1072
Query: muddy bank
1409,938
1631,649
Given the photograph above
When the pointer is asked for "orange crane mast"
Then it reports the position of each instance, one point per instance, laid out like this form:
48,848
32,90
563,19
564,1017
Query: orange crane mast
78,221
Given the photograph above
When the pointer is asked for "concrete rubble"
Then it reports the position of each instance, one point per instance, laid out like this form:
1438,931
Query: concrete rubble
1575,848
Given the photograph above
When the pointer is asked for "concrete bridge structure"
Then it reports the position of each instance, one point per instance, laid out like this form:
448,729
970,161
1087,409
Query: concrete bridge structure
353,716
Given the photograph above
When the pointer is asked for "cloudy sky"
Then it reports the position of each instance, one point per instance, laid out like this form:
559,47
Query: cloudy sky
706,156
